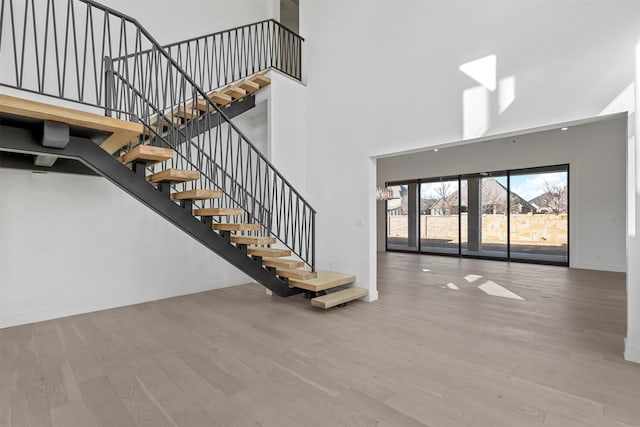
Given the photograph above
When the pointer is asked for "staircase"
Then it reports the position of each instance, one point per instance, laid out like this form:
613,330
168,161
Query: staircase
180,117
171,144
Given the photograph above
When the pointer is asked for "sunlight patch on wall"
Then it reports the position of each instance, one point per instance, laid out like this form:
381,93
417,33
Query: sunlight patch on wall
493,97
506,93
475,112
624,101
482,70
492,288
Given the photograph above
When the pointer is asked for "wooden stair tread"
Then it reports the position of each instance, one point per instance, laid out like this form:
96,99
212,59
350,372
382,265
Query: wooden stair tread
220,98
187,113
236,227
203,105
217,211
324,280
198,194
296,273
253,240
153,127
167,120
122,131
234,92
261,80
249,86
339,297
282,262
174,175
229,94
148,153
268,252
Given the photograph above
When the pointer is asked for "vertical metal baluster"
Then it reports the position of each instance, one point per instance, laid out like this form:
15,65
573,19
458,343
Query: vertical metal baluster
313,241
109,83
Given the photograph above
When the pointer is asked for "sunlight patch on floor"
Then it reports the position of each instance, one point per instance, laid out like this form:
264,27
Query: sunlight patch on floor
452,286
492,288
472,277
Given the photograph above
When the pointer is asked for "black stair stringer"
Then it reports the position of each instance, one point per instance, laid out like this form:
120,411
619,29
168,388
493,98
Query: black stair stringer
21,140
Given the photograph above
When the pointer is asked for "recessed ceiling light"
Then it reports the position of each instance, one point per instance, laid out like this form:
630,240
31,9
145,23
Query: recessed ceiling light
564,129
435,149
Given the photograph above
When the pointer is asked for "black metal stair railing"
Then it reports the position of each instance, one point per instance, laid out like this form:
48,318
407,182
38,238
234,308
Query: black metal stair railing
221,58
63,49
218,59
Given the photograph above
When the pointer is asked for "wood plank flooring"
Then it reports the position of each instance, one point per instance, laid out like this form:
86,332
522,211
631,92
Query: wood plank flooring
434,350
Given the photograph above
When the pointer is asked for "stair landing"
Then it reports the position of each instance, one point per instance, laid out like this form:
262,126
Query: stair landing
122,131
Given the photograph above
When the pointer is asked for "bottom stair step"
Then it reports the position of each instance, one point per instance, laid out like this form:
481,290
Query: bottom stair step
337,298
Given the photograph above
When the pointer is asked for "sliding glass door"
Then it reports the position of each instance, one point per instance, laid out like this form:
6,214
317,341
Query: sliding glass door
520,215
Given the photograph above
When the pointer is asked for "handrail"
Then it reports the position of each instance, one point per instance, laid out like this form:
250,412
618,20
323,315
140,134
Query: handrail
68,56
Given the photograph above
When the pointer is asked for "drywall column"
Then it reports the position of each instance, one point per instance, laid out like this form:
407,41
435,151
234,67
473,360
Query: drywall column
632,344
474,216
412,206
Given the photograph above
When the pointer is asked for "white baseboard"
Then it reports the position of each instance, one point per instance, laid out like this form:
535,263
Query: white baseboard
600,267
631,352
107,303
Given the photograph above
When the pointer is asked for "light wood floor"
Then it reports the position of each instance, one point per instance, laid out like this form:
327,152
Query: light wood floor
424,354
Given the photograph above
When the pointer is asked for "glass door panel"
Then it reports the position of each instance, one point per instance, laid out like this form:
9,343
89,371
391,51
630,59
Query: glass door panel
439,217
485,202
402,218
540,215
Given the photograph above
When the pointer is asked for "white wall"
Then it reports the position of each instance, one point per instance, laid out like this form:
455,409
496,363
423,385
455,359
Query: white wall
287,129
596,154
73,244
382,78
254,125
